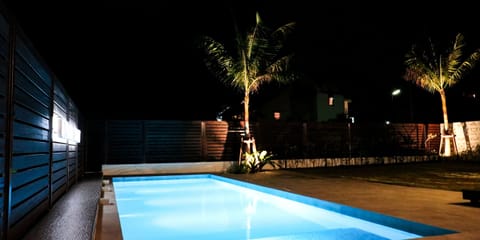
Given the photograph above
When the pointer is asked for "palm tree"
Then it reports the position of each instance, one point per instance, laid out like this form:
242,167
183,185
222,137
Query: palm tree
259,59
435,73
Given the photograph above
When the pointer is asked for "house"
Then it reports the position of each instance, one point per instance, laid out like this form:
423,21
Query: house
303,100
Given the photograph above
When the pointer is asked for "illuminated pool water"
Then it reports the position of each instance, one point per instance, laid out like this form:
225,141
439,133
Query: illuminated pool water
205,206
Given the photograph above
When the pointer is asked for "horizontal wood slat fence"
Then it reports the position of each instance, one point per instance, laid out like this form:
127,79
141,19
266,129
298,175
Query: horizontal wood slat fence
35,169
157,141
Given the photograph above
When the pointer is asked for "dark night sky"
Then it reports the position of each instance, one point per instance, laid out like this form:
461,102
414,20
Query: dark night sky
137,59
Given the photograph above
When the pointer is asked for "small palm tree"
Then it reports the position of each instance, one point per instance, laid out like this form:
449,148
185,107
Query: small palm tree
435,73
259,59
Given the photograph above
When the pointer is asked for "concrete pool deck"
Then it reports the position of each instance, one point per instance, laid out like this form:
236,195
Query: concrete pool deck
440,208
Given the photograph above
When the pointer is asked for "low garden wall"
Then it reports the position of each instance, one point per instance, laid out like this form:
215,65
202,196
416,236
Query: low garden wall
223,166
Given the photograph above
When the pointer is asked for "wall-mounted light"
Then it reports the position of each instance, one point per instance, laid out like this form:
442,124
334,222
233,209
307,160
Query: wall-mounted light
57,127
73,134
63,130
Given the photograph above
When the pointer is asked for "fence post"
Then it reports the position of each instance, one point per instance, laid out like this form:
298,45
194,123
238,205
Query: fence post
203,141
144,141
7,185
305,139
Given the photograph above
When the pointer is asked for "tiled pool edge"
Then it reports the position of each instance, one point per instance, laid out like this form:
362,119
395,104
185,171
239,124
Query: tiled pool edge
422,229
107,220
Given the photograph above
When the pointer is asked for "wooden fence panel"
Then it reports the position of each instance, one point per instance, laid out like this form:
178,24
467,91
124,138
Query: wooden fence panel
173,141
72,164
4,26
283,138
186,141
125,142
326,139
31,134
219,143
59,148
72,153
433,145
31,163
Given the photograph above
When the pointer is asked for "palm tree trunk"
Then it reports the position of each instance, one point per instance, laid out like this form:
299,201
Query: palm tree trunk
246,103
249,140
444,110
446,129
246,99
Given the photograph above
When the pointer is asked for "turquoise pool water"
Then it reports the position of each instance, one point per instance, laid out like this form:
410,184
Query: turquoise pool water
205,206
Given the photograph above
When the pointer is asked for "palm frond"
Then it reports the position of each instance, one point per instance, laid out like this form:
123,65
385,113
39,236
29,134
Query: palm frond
454,58
217,59
258,18
239,70
466,66
282,32
252,37
420,72
431,56
259,47
277,71
435,72
280,69
422,79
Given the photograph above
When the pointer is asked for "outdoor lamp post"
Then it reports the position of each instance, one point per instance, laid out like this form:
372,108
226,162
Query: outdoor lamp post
397,92
394,93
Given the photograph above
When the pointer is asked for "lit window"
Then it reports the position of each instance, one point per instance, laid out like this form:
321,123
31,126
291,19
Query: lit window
276,115
331,100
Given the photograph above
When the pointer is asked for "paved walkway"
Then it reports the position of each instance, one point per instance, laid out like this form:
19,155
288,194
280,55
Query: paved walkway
72,217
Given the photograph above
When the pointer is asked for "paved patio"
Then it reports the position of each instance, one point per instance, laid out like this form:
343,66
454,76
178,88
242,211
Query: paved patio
441,208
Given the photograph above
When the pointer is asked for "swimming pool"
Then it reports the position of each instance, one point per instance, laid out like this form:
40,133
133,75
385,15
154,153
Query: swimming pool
206,206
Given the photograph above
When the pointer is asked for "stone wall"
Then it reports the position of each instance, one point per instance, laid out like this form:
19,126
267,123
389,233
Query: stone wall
467,135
